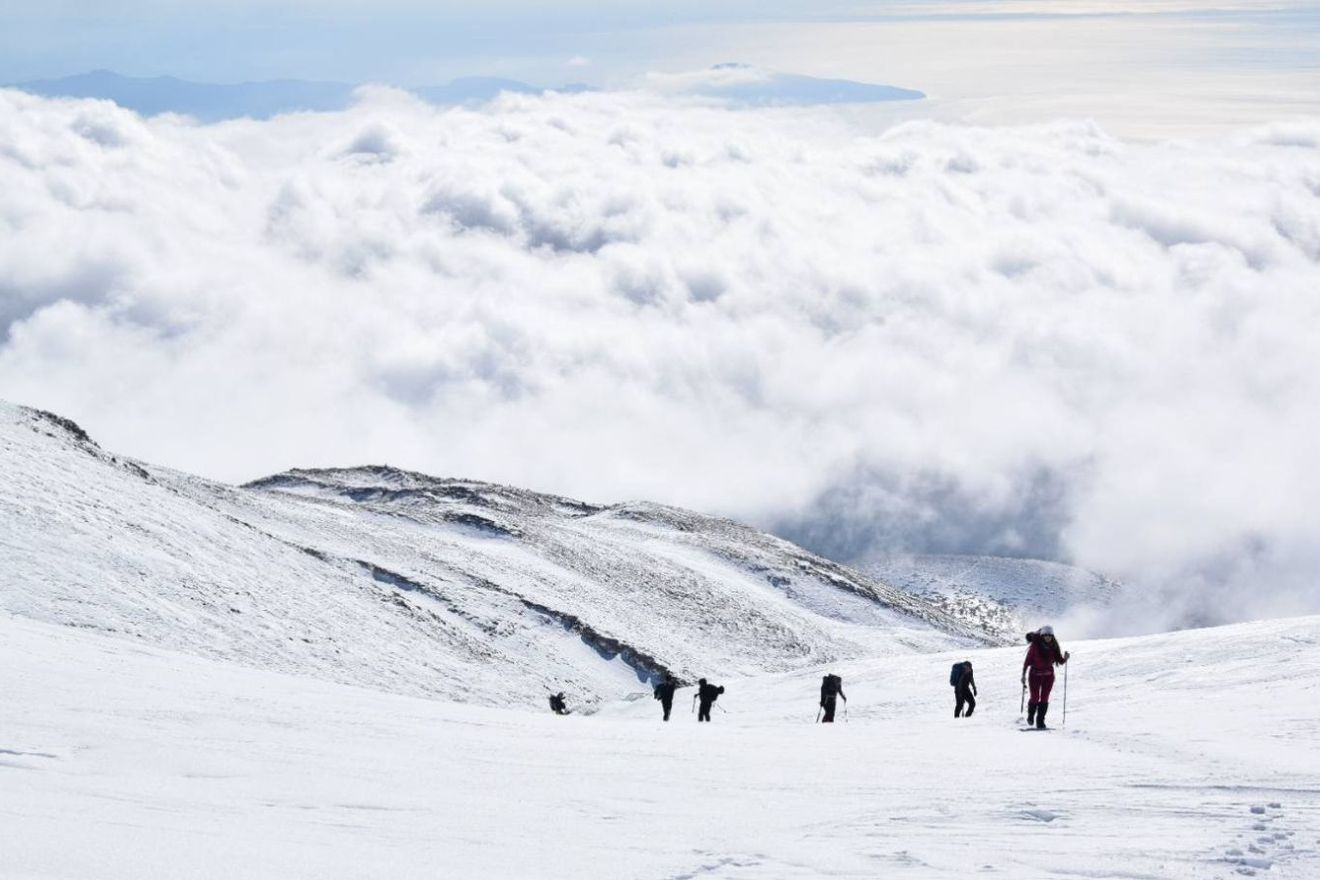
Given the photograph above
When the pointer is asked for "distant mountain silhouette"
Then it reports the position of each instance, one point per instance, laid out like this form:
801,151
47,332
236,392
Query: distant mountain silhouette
748,85
210,102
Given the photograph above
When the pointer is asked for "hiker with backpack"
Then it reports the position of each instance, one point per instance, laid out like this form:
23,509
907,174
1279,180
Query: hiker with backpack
1043,655
964,688
557,704
831,688
664,692
706,696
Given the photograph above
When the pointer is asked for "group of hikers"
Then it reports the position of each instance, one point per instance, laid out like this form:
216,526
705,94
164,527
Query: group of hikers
704,699
1043,654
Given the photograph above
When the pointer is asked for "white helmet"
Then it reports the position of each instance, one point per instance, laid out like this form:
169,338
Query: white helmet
1047,630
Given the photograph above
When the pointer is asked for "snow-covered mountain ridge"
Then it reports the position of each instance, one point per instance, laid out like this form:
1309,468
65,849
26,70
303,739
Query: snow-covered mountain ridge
999,594
418,585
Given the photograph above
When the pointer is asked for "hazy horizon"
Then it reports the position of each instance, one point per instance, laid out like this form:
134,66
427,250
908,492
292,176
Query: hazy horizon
1149,69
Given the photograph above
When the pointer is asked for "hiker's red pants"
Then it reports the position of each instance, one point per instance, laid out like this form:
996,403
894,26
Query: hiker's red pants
1041,685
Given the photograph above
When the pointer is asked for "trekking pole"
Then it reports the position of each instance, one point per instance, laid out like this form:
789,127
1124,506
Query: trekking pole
1023,707
694,703
1064,723
818,711
726,711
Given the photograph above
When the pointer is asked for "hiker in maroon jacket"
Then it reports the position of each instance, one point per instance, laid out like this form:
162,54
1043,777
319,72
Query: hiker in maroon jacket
1043,655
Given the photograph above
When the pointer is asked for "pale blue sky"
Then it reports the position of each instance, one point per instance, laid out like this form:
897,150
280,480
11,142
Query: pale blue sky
415,42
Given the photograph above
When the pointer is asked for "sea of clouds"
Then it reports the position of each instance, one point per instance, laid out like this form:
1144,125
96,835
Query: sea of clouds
1036,341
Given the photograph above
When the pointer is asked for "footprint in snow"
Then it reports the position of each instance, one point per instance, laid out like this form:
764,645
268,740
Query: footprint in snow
1041,815
19,754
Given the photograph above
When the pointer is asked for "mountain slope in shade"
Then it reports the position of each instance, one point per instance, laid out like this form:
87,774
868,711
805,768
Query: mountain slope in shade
418,585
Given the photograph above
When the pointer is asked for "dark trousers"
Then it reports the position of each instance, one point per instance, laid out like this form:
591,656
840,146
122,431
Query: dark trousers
828,705
703,711
1041,684
667,705
964,698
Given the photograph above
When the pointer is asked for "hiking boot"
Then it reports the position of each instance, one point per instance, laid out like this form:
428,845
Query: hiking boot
1031,713
1040,715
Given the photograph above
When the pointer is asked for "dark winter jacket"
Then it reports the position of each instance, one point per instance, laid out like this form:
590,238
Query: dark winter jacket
1042,658
709,693
830,687
967,679
664,691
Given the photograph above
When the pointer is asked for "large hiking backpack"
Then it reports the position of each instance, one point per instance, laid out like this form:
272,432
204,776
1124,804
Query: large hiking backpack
955,674
830,686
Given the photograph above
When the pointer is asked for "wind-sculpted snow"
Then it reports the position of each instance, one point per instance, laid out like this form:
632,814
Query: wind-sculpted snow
408,583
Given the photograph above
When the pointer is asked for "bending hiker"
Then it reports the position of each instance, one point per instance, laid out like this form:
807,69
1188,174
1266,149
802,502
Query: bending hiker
831,688
707,694
557,704
964,688
1043,655
664,692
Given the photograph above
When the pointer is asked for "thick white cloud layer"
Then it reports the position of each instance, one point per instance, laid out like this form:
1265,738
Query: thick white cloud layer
1036,341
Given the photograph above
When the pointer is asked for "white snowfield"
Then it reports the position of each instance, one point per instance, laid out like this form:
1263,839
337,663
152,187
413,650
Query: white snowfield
1190,755
418,585
203,681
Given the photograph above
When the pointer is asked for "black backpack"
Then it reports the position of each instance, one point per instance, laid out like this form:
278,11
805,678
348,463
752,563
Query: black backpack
830,686
955,674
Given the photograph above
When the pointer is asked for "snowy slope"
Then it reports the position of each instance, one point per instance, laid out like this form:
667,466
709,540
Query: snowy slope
999,594
1184,756
422,586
